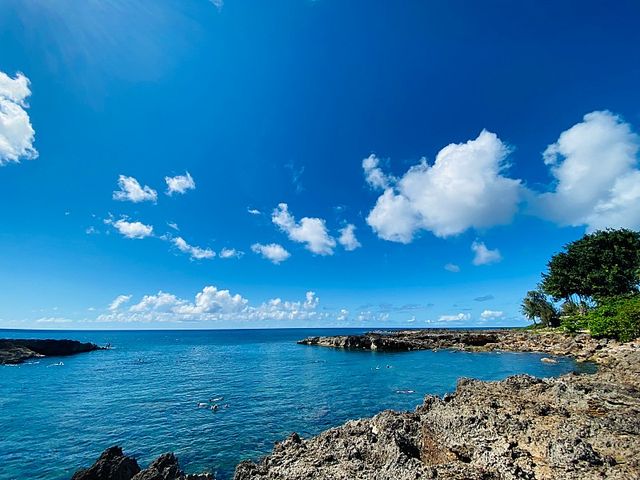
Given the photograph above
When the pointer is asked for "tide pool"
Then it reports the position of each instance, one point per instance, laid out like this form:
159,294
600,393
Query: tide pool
144,395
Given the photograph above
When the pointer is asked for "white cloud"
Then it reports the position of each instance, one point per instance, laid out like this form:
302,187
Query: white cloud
310,231
119,301
230,253
131,190
452,267
273,252
213,304
53,320
374,175
491,314
16,132
254,211
369,316
161,302
393,218
212,300
348,238
463,189
483,255
134,230
595,167
180,184
173,225
455,318
218,4
196,253
342,315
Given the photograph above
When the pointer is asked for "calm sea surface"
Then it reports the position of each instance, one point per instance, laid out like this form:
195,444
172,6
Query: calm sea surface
144,395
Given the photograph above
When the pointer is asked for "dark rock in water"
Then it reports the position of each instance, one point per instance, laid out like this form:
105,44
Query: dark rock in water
18,350
114,465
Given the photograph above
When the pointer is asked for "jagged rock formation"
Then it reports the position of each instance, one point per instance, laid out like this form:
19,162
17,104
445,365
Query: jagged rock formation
580,346
13,351
113,464
574,427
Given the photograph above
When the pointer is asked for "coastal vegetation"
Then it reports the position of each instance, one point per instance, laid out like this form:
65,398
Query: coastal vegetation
592,285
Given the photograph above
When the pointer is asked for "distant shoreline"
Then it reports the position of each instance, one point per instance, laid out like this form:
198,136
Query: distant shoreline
14,351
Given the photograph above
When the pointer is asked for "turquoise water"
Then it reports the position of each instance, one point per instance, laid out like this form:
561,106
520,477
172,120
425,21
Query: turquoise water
144,395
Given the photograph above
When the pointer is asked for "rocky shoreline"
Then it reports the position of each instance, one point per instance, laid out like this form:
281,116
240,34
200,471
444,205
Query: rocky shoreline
14,351
580,346
572,427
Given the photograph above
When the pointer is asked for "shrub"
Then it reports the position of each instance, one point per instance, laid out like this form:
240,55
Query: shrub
574,323
617,318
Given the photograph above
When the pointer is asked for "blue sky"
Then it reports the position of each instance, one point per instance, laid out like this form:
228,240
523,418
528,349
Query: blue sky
359,163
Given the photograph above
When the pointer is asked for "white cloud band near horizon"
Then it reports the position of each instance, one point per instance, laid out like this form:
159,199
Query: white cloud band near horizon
210,305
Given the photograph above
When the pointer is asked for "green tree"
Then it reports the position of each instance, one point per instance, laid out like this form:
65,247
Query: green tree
598,266
536,305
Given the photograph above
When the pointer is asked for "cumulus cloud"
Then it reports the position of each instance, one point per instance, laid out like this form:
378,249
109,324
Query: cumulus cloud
135,230
597,181
452,267
343,315
464,188
374,175
230,253
484,255
491,314
211,300
132,191
213,304
348,238
119,301
16,132
310,231
273,252
455,318
161,302
180,184
195,253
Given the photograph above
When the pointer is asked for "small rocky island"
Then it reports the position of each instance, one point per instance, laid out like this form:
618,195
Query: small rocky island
14,350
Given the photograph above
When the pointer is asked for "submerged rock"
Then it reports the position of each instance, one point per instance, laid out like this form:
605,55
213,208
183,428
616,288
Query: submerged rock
13,351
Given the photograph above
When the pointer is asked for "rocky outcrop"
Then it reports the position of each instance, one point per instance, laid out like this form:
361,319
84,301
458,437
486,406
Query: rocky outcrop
580,346
113,464
574,427
13,351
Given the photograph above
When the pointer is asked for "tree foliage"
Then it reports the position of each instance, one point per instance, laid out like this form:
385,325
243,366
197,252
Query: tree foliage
598,266
617,317
536,305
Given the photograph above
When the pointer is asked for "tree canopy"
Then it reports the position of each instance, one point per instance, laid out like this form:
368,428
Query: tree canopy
599,265
535,305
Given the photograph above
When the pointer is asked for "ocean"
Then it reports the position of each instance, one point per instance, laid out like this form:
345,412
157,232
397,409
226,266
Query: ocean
151,393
